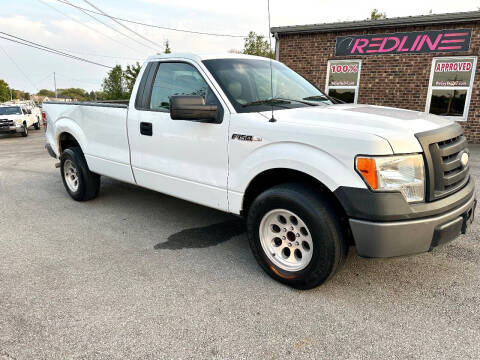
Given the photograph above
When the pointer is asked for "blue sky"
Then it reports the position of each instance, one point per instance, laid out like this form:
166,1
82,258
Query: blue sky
33,20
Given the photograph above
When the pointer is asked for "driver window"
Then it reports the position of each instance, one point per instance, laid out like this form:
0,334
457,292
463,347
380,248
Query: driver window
178,79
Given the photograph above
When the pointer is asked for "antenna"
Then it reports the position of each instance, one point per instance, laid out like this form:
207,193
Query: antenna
272,119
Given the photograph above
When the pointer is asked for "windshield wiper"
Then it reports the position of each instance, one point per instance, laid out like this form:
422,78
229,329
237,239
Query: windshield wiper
279,102
267,101
317,98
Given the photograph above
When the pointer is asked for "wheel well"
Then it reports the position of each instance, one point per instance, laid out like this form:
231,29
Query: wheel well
272,177
66,141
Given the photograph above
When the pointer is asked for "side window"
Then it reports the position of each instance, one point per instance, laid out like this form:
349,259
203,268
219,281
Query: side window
178,79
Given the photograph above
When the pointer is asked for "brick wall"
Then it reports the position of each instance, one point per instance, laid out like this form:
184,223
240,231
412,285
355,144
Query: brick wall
389,80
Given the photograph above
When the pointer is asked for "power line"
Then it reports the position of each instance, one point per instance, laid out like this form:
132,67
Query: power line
122,25
19,69
154,26
88,27
103,56
86,12
48,49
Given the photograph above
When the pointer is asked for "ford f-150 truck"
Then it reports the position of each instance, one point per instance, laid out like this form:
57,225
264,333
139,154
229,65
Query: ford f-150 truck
249,136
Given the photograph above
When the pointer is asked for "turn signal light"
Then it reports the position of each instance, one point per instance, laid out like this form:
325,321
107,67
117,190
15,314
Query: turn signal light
368,169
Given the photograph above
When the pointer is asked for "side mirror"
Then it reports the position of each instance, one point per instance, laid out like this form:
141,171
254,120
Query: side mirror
192,108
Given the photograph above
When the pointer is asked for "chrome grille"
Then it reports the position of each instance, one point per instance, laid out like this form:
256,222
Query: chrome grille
6,123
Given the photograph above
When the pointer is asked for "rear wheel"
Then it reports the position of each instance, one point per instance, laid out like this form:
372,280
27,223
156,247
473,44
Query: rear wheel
81,184
296,235
37,124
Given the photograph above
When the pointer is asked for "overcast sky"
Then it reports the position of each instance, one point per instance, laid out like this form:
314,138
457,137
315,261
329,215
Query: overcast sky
35,21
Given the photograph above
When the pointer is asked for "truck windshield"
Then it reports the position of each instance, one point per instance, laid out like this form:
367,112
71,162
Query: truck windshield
10,110
247,84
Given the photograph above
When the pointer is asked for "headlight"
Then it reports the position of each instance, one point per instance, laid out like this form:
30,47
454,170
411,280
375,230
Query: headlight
19,121
403,173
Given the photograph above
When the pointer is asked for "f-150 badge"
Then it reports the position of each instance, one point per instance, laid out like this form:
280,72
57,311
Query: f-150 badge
245,137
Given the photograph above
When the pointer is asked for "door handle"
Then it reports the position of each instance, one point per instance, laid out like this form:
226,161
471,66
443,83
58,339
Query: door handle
146,129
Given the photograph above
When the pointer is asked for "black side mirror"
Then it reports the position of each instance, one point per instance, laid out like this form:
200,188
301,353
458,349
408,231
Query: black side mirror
192,108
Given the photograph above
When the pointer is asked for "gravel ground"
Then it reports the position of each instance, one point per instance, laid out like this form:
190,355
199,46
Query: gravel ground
140,275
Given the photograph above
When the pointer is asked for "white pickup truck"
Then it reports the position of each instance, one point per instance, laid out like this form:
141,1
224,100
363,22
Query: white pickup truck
17,118
311,177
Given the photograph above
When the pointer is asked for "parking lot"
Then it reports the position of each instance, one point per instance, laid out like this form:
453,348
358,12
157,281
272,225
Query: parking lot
137,274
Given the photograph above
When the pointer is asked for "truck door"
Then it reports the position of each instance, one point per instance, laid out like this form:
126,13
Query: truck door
182,158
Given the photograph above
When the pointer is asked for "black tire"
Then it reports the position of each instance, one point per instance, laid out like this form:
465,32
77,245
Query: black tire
37,125
25,130
88,182
330,246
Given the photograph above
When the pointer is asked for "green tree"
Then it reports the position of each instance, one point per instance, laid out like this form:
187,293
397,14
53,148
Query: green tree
130,75
167,47
4,91
73,93
257,45
19,94
45,92
376,15
114,85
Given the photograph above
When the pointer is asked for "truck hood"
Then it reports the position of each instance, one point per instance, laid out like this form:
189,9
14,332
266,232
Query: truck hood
397,126
10,117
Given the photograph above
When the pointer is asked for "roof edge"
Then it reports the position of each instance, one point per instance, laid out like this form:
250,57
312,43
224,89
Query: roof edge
460,17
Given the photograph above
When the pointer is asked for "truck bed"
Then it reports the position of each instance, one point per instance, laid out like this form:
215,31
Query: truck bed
102,103
101,130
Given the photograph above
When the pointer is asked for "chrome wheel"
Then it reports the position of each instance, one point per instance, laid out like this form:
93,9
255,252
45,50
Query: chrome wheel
71,175
286,240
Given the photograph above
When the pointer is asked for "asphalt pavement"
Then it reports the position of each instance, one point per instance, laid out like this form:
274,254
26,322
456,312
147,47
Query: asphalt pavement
135,274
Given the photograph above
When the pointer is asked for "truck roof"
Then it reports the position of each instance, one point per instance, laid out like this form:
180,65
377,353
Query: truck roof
201,57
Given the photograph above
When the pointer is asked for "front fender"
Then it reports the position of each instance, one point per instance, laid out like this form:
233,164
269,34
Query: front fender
307,159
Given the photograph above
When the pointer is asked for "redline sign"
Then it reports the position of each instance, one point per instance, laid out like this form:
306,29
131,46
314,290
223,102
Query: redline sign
418,42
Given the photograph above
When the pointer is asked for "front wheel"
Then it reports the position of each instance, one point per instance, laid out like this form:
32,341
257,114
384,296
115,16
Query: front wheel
25,130
80,183
296,235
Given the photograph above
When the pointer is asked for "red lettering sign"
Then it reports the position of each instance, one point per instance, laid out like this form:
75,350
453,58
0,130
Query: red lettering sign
453,66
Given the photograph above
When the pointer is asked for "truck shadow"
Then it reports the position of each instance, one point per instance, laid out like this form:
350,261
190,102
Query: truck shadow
202,237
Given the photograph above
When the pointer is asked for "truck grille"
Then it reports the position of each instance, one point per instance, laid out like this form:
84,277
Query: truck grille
5,123
443,149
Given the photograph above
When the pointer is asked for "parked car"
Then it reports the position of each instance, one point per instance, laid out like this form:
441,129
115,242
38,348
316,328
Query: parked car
17,118
310,177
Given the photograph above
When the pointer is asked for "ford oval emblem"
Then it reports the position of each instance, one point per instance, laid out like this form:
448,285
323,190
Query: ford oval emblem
464,159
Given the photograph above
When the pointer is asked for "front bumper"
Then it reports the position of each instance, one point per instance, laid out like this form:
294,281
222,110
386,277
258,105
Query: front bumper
11,129
397,238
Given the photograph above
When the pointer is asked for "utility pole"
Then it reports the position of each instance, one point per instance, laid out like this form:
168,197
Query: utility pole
11,95
55,84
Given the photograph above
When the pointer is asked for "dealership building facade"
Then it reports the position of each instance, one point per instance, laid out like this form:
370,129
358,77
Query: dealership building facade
423,63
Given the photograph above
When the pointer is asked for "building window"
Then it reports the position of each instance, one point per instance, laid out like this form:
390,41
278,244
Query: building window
342,79
450,89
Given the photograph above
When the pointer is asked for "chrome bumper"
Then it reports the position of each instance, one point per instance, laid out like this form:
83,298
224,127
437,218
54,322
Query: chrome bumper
11,129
